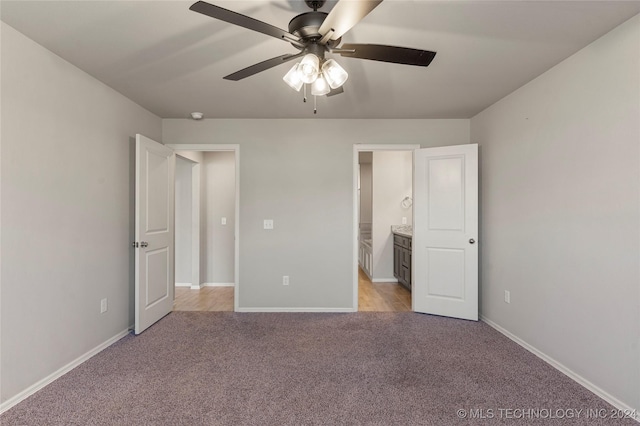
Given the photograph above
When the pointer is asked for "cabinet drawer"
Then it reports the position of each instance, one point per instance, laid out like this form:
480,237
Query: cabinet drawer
402,241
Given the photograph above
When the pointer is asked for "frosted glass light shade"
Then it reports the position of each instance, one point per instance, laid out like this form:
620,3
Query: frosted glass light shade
320,87
292,78
309,68
334,73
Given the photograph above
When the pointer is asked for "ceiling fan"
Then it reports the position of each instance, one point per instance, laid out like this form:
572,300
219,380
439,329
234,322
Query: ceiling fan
315,34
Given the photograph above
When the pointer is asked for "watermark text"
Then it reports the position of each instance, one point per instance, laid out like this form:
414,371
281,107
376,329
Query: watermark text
546,413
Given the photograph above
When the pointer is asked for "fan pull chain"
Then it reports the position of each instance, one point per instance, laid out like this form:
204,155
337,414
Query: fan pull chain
304,98
315,104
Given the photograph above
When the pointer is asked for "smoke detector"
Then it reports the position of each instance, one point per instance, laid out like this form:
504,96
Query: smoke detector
197,115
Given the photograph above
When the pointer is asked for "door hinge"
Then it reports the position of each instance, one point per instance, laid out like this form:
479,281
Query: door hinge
135,244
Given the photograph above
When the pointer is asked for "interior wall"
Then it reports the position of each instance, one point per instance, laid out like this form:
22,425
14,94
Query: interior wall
199,246
365,193
218,258
67,188
392,176
304,182
195,156
183,221
560,209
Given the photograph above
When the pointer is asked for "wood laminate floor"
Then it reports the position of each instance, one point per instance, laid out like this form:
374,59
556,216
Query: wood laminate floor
378,297
205,299
382,297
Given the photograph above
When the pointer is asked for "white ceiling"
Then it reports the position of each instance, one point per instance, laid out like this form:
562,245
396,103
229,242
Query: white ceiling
171,60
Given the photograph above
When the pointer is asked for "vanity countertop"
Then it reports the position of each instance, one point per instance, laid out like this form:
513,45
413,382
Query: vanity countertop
404,230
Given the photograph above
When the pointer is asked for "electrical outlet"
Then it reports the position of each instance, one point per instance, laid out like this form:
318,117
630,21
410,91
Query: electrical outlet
285,280
223,221
507,296
268,224
404,220
103,306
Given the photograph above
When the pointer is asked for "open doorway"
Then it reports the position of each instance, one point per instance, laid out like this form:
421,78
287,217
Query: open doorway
383,218
205,230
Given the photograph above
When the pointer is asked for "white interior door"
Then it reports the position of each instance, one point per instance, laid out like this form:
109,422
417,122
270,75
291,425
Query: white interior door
155,262
445,231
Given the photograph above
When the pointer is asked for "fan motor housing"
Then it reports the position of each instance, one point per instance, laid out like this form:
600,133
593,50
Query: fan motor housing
307,25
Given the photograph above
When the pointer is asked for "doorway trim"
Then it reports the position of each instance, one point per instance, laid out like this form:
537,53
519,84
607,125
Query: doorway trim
235,148
357,148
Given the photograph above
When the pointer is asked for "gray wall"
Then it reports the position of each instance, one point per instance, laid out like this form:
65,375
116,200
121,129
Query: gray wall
560,186
392,181
183,221
303,181
66,193
365,193
219,170
197,158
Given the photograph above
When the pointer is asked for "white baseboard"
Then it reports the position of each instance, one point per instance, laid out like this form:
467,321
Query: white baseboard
384,280
565,370
195,287
217,285
326,310
183,284
59,373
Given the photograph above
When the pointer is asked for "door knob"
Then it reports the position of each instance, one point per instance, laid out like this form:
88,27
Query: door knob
144,244
472,241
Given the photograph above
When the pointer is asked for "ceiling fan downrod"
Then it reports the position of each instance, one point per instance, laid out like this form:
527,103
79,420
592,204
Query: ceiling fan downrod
315,4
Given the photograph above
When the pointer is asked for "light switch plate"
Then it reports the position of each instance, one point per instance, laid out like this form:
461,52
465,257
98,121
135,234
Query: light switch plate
268,224
223,221
404,220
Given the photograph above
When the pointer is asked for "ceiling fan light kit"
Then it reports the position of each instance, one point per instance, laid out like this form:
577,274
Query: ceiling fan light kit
293,79
314,34
332,75
336,75
308,69
320,87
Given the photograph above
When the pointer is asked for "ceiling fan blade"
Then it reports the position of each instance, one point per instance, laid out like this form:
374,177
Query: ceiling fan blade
337,91
344,15
262,66
243,21
393,54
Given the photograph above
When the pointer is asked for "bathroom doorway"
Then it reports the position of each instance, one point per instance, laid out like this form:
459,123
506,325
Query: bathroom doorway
383,210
